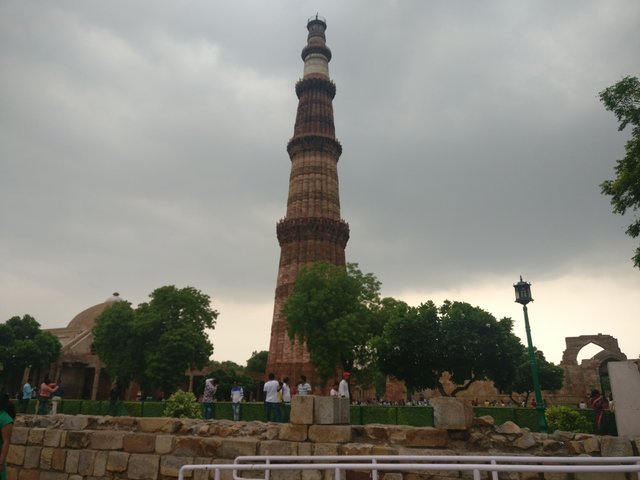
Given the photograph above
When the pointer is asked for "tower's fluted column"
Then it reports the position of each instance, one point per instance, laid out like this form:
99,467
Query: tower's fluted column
312,229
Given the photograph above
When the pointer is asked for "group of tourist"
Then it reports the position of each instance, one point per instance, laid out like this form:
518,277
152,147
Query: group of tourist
209,398
277,395
48,395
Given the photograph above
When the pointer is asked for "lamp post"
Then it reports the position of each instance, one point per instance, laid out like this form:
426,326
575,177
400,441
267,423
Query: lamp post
523,296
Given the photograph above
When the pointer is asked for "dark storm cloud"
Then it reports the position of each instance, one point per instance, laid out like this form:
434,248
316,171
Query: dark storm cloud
144,144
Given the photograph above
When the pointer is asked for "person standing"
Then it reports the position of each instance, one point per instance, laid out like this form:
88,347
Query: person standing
304,388
209,397
46,390
599,403
286,399
27,393
57,396
334,390
343,388
237,394
271,407
7,415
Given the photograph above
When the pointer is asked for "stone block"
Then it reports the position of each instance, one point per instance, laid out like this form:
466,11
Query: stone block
293,433
376,433
19,435
71,463
591,445
143,466
100,464
75,422
138,442
77,439
46,454
311,475
616,447
330,433
305,449
331,411
302,409
508,428
275,447
164,444
36,436
44,475
15,455
158,424
427,437
52,438
32,456
170,465
451,413
232,448
325,449
525,441
86,462
117,462
106,440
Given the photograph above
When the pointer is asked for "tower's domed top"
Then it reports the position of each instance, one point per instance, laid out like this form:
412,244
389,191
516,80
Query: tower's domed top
86,319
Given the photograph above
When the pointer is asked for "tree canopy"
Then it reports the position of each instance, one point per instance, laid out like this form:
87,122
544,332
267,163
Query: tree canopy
420,343
623,99
157,342
550,375
257,363
334,310
23,344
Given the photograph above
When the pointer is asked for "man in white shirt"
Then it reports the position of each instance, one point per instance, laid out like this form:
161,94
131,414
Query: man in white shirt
343,388
303,387
271,407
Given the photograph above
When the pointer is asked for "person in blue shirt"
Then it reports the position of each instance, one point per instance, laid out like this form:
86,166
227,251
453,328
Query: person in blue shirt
27,393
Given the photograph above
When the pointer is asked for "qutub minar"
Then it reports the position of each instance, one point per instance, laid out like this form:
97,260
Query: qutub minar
312,229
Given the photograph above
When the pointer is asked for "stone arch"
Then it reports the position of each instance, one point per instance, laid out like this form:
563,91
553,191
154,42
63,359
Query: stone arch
574,344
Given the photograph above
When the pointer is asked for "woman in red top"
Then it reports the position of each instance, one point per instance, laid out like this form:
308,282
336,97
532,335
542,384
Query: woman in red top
44,395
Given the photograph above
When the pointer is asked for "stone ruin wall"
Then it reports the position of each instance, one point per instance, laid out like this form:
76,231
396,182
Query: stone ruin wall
64,447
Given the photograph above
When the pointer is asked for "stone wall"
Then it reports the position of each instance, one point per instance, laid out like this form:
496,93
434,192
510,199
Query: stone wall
61,447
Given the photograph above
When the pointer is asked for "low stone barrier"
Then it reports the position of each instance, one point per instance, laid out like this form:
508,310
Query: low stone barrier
61,447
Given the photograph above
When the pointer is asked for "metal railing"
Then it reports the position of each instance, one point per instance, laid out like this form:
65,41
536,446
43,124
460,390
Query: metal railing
418,463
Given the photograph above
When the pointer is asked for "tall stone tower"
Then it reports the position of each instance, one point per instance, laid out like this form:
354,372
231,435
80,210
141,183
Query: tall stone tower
312,229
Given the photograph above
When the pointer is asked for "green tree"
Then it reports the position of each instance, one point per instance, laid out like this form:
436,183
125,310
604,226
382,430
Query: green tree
23,344
228,372
623,99
156,343
408,347
423,342
333,309
550,375
258,362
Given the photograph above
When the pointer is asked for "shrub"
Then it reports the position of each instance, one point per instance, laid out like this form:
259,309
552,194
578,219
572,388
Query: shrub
183,405
567,419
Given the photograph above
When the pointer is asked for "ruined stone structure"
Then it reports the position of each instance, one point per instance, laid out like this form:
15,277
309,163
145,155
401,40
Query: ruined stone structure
591,373
312,229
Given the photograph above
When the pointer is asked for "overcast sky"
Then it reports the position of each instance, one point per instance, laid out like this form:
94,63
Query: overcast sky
143,144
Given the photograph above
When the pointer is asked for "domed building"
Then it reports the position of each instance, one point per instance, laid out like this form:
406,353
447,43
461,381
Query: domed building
78,367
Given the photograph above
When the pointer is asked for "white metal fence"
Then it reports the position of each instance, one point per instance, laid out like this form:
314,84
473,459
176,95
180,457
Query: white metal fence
377,464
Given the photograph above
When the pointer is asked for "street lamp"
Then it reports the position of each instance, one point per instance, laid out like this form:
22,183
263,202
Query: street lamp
523,296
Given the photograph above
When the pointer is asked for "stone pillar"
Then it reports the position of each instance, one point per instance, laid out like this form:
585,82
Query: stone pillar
625,388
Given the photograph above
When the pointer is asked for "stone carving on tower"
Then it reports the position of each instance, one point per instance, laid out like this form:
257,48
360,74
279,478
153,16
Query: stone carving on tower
312,229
